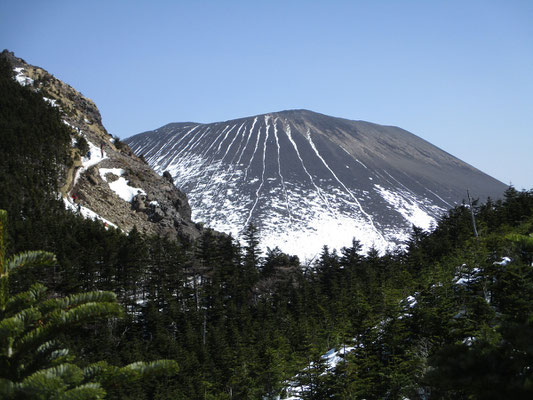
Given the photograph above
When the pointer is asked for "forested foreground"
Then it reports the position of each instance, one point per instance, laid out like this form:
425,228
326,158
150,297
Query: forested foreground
449,317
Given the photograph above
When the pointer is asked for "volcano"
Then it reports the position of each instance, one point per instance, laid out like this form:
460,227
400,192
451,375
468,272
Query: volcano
307,180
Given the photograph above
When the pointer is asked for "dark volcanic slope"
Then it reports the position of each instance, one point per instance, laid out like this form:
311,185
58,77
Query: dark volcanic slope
307,179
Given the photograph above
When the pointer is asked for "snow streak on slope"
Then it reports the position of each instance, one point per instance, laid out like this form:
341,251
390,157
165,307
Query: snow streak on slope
411,208
370,219
289,135
262,173
280,175
300,187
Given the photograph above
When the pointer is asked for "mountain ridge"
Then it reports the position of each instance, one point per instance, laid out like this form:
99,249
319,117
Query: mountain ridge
105,180
300,112
366,180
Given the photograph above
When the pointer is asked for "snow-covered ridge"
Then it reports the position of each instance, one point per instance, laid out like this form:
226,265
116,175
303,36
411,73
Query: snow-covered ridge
266,170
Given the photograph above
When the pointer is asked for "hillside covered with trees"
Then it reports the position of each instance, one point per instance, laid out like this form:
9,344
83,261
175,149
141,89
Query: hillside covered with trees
449,317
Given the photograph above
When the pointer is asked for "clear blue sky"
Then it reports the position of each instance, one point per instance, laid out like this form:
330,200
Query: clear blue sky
456,73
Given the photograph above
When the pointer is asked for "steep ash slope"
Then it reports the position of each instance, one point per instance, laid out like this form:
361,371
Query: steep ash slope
307,179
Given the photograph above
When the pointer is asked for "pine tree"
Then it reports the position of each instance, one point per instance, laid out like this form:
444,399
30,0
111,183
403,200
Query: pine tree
252,252
33,363
251,259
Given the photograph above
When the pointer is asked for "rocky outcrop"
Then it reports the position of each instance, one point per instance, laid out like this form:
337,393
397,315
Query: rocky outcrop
106,179
158,208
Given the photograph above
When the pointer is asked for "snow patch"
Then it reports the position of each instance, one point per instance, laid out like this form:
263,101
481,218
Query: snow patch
408,207
52,102
93,156
120,186
86,212
21,78
504,261
410,301
323,230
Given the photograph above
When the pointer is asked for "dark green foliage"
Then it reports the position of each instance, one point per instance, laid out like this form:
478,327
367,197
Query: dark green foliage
82,145
34,151
242,325
33,363
119,144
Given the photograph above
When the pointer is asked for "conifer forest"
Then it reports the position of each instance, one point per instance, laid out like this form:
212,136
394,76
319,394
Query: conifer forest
89,312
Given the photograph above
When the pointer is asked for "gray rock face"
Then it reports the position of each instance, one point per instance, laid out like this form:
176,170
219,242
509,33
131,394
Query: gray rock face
307,179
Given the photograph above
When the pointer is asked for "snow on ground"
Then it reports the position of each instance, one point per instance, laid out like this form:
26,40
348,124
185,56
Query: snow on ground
21,78
410,301
407,206
120,186
332,358
299,212
85,212
469,340
93,156
52,102
67,123
334,231
220,203
504,261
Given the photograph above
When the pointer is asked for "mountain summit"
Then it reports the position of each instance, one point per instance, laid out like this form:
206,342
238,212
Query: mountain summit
307,180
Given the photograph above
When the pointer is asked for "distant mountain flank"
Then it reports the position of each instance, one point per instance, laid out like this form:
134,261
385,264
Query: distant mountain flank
308,179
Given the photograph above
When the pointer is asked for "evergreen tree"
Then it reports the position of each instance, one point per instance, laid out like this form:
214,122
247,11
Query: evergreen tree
33,363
